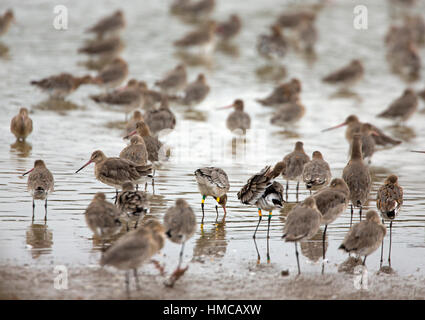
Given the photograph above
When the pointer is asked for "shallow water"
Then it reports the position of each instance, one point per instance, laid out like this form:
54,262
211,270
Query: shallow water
66,137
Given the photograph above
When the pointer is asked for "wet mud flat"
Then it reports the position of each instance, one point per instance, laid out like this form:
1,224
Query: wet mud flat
212,281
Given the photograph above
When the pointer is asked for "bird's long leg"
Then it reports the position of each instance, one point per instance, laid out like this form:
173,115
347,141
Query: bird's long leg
298,187
298,260
116,196
137,187
258,252
127,283
323,242
181,256
153,181
268,236
259,220
203,213
45,210
389,253
382,248
351,219
310,191
286,190
33,209
137,278
364,260
361,209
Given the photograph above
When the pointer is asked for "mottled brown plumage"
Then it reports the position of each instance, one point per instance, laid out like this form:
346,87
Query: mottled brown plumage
389,198
102,217
109,25
294,19
403,107
194,10
200,37
368,142
288,113
131,123
196,91
21,125
294,163
62,85
103,48
316,173
284,93
135,204
180,222
238,120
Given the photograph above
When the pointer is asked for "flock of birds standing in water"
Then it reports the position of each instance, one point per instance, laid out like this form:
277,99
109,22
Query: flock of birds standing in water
329,197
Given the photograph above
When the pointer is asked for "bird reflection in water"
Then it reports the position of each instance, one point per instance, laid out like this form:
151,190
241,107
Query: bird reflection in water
39,239
211,243
22,148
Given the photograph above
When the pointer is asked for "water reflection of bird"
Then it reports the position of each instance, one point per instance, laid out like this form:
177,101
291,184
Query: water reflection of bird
22,148
312,249
389,200
357,176
364,237
302,222
21,125
193,10
203,38
40,184
40,238
210,243
134,249
213,181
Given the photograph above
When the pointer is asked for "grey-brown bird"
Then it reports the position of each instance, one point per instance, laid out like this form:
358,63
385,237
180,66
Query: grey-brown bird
402,108
113,74
306,36
131,123
135,204
332,201
6,21
103,48
229,29
130,97
288,113
317,173
109,25
180,225
284,93
102,217
62,85
115,171
238,121
153,145
196,91
151,98
134,249
353,126
347,75
364,237
193,10
40,184
294,19
302,222
389,199
213,181
174,81
294,166
357,176
203,37
21,125
161,118
273,46
136,151
368,142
